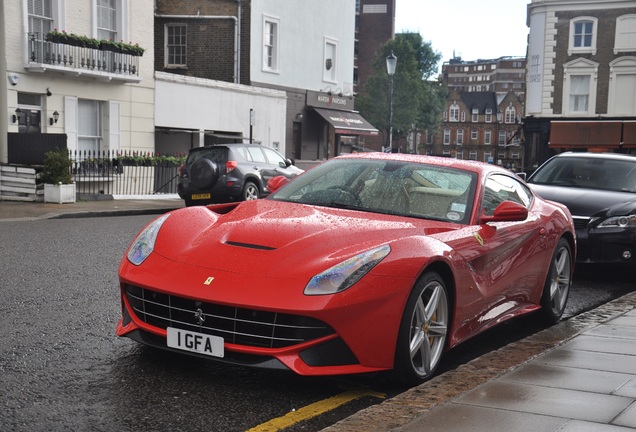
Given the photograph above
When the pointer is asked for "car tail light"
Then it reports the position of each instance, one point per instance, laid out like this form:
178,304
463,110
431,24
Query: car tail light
230,165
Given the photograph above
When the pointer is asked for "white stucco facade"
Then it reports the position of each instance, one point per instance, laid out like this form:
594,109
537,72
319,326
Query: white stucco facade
308,33
123,101
204,106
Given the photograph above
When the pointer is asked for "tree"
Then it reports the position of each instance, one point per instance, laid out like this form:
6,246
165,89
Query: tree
417,102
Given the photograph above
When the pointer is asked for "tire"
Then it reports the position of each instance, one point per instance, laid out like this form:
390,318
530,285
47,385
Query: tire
557,283
204,173
250,192
423,330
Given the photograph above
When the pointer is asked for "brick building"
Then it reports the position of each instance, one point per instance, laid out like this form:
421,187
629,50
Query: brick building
499,75
581,77
481,126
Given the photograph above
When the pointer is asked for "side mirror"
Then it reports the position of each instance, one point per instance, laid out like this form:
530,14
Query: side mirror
289,162
276,183
507,211
521,175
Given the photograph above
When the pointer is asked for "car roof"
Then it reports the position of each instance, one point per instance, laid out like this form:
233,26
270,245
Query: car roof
586,155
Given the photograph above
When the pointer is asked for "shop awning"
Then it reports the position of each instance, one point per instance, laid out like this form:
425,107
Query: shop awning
347,122
629,134
585,134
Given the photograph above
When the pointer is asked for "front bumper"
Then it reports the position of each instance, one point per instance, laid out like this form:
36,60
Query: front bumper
606,245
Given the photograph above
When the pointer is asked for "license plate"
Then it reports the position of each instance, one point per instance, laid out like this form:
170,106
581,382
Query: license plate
201,196
195,342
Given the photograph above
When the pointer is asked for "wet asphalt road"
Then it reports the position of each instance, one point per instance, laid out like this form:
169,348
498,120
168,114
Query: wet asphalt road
63,368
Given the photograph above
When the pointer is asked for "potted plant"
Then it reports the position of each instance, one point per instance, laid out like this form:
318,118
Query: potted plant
56,176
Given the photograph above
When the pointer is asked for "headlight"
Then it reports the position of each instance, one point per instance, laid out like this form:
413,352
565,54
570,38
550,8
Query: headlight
144,244
342,276
618,222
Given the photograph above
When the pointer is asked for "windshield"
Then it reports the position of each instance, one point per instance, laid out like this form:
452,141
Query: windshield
593,173
390,187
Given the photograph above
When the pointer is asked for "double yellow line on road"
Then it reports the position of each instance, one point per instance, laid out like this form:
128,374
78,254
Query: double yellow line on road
314,410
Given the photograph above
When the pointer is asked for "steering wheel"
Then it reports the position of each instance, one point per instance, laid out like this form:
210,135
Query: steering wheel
350,192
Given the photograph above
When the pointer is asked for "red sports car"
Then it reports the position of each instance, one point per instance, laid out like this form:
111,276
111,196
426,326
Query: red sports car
367,262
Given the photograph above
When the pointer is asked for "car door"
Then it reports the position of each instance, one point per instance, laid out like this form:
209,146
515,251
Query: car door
505,259
276,165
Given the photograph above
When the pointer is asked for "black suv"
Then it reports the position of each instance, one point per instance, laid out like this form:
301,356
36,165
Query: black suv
230,172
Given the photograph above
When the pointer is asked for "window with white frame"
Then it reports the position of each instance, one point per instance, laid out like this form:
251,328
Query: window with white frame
446,153
625,38
475,115
579,87
331,54
472,155
487,156
459,154
488,115
501,140
583,35
460,136
454,112
487,136
89,125
107,20
622,90
271,44
510,114
473,134
446,136
40,18
176,44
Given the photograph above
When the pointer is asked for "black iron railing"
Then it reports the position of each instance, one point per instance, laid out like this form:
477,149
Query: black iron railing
95,59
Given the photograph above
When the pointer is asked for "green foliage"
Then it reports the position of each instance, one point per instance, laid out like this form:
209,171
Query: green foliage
62,37
417,101
57,167
146,159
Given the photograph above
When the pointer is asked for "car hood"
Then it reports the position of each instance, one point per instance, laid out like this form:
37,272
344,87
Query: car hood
588,202
271,238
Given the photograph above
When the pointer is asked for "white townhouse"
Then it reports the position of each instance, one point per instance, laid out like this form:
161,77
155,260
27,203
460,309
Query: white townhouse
63,87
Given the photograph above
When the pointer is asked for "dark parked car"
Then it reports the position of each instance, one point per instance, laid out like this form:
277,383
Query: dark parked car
230,172
600,192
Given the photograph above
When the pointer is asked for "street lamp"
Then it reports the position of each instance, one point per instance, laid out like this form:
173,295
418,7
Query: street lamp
391,62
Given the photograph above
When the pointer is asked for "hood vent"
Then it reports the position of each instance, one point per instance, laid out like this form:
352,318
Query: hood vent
249,246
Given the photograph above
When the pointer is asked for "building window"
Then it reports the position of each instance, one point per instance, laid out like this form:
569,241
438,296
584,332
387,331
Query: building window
463,116
487,136
175,45
501,140
625,38
446,136
331,54
429,137
472,155
107,20
454,112
487,156
89,125
511,114
460,136
475,116
579,93
622,87
583,35
459,154
488,115
473,134
270,44
40,18
579,87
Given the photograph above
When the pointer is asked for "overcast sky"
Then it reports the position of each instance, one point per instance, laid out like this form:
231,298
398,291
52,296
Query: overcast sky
472,29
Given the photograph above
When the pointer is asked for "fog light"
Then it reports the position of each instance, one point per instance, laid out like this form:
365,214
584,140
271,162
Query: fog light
627,255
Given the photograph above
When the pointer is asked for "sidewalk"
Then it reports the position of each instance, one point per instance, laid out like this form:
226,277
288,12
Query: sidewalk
152,204
578,375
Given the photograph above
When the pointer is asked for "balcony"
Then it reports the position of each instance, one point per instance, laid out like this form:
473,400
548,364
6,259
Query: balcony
99,63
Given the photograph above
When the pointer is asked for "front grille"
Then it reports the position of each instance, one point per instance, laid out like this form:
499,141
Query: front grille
241,326
580,222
